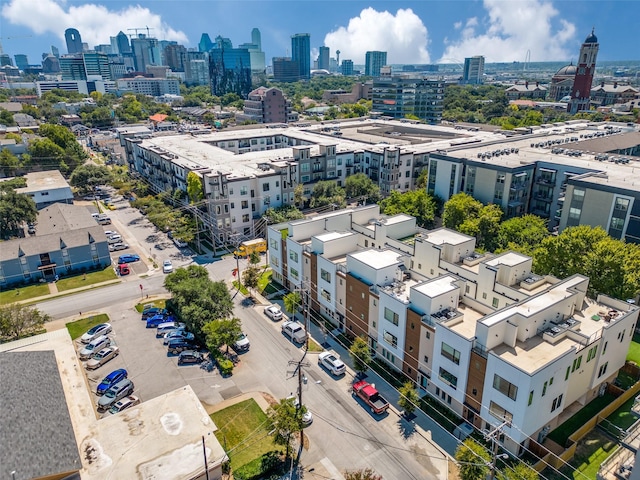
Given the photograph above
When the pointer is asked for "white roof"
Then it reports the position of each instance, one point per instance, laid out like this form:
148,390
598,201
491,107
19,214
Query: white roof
377,259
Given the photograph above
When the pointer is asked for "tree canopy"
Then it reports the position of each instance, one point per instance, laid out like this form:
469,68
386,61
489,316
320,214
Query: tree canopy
360,355
361,187
89,175
222,332
327,192
464,213
282,214
17,321
15,210
522,234
473,460
286,420
417,203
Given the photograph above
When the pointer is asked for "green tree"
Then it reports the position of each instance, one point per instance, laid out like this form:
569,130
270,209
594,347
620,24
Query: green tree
327,192
87,176
409,398
423,177
254,258
194,187
292,302
9,163
251,277
522,234
18,321
298,195
361,187
16,209
459,208
286,421
362,474
485,226
474,460
6,117
519,471
284,213
46,153
221,332
414,202
360,355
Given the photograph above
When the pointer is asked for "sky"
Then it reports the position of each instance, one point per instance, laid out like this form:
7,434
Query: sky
421,31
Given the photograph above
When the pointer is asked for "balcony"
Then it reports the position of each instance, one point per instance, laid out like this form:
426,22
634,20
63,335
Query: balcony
545,181
543,197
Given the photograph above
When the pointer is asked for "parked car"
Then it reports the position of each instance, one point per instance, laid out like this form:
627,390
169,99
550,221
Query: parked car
153,322
102,357
108,233
331,361
180,243
104,220
128,258
120,390
242,343
177,345
153,311
178,334
114,239
94,346
273,312
126,402
166,327
110,380
307,416
190,356
123,269
167,266
114,247
370,396
95,332
294,331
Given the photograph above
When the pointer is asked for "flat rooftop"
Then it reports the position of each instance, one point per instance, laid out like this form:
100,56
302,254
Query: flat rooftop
510,259
446,236
438,286
48,180
327,237
377,259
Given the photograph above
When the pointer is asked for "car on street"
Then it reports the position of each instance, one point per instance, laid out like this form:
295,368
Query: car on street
126,402
242,343
331,361
120,390
153,311
177,345
294,331
307,416
94,346
114,247
167,266
123,269
153,322
95,331
178,334
190,357
112,239
273,312
128,258
108,233
110,380
102,357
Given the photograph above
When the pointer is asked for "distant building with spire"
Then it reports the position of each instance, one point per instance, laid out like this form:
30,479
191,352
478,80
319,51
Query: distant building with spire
585,69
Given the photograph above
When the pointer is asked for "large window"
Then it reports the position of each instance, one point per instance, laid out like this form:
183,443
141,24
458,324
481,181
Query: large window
448,378
293,256
505,387
450,353
390,339
391,316
326,276
326,295
499,412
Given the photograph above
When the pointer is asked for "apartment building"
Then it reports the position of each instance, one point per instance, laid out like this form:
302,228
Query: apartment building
481,332
155,87
267,105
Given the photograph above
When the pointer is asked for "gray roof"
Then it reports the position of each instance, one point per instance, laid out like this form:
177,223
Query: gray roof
72,225
608,144
47,180
36,434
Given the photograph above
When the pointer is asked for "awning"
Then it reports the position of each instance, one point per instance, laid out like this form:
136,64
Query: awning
47,267
550,170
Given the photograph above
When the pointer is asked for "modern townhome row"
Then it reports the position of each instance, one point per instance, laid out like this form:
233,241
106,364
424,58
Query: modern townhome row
545,171
482,332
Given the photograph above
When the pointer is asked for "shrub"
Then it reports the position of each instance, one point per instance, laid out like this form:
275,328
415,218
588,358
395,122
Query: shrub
226,366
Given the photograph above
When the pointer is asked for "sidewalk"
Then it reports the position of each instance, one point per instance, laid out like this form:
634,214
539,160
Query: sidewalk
53,291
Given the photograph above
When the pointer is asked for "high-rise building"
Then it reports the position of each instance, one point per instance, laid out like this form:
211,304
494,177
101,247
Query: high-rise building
285,69
74,40
50,64
196,70
400,95
301,53
258,64
85,66
146,51
323,58
581,91
374,61
175,56
5,60
256,38
205,43
347,67
267,105
122,41
54,51
473,70
22,62
229,69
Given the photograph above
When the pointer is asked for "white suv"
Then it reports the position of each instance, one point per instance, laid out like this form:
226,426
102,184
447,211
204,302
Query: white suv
331,361
295,331
94,346
273,312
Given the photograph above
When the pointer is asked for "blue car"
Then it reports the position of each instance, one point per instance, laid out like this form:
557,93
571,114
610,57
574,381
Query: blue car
153,322
110,380
128,258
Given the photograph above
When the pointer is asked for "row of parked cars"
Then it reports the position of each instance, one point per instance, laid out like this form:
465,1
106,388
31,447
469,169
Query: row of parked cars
115,390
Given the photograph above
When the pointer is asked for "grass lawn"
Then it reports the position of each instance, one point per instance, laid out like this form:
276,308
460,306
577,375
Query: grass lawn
622,417
264,280
243,289
562,433
314,347
79,327
243,431
23,293
83,280
634,349
156,303
591,452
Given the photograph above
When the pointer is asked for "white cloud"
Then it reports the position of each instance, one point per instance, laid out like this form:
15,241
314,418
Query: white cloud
403,36
96,23
510,30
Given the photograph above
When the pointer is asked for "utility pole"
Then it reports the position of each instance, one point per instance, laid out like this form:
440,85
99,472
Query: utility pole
303,289
493,437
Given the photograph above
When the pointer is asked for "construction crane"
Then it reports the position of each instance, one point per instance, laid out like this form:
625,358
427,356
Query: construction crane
135,29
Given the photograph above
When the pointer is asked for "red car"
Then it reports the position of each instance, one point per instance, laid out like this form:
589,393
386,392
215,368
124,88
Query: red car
123,269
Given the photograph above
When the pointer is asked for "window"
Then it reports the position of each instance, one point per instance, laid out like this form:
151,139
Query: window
265,187
390,339
245,218
576,363
530,398
566,376
448,378
495,302
326,295
244,204
391,316
556,402
592,353
450,353
428,335
499,412
604,349
294,273
244,190
484,295
505,387
603,369
275,262
293,256
426,359
273,244
326,276
304,167
544,389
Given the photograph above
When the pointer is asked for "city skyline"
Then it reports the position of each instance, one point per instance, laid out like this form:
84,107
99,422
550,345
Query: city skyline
411,32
